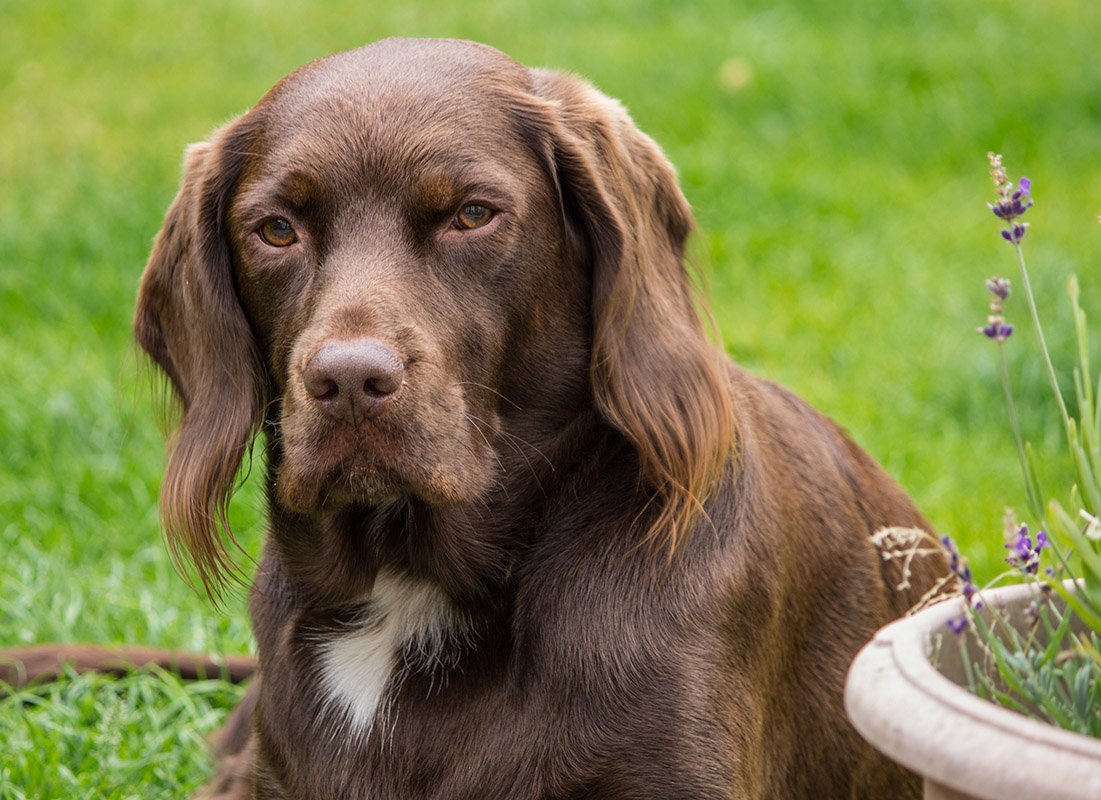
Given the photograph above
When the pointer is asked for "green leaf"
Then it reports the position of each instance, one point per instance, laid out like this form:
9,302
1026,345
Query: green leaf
1055,643
1033,489
1087,482
1083,610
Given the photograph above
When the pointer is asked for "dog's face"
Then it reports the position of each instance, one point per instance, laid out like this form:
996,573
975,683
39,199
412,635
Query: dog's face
398,251
414,264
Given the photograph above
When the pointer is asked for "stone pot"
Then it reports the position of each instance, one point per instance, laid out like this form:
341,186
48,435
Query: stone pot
922,716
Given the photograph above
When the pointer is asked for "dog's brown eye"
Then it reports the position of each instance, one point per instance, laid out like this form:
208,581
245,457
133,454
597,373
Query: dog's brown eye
278,233
472,216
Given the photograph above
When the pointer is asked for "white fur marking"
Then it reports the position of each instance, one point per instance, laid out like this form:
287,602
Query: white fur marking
356,668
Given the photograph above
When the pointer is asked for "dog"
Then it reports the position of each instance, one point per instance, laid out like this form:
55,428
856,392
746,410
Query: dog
531,533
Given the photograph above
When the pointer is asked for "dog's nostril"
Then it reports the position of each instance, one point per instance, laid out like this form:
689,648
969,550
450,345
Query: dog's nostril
321,389
384,383
353,379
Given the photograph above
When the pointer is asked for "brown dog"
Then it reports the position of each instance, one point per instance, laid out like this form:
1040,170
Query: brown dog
531,535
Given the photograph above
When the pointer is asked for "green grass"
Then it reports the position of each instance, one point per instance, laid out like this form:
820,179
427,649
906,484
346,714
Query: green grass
90,736
834,153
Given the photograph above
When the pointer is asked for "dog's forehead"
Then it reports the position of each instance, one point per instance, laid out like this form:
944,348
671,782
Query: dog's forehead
393,104
410,60
403,87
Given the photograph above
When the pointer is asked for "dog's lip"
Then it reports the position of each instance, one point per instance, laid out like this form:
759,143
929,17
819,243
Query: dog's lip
380,483
369,495
351,481
361,477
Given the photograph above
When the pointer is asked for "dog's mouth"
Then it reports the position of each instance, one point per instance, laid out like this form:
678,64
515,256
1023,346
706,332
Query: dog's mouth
326,466
361,479
354,480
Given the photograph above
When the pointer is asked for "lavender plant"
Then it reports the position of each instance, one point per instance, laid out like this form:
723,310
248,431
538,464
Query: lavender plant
1050,667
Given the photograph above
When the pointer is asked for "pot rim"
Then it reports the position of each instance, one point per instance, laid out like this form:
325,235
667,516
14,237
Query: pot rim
907,709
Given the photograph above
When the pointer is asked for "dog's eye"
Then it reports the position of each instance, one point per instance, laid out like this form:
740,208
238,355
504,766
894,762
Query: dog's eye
472,216
278,233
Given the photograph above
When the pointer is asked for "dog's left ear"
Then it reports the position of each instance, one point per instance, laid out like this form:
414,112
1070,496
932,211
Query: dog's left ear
190,322
656,376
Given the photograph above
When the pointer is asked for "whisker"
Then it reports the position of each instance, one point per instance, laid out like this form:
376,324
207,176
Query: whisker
511,440
492,449
512,437
508,400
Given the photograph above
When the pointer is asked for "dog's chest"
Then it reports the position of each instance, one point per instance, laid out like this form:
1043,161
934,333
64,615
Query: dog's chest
407,621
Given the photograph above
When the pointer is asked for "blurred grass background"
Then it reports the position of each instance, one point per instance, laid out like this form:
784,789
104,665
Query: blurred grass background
833,152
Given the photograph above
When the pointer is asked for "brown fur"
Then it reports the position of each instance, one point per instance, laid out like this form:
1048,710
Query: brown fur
662,562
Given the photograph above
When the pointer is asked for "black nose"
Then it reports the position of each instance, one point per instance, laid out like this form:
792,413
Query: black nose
353,380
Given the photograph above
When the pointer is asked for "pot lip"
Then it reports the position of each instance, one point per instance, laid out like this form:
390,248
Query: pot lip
911,712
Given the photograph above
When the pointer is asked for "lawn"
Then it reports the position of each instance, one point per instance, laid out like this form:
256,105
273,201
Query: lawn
834,154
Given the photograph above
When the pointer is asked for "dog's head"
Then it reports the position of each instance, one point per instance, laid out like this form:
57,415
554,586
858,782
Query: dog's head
411,260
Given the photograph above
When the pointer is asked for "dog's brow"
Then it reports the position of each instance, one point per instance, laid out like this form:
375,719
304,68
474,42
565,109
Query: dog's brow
437,189
297,188
444,185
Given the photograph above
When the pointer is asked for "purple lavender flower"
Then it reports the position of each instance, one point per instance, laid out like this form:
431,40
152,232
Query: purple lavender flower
996,327
958,624
1022,555
999,287
1013,201
962,570
953,553
1010,209
1015,234
998,331
1011,206
971,599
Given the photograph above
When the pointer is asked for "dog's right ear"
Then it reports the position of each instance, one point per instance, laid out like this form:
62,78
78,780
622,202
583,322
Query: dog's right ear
191,323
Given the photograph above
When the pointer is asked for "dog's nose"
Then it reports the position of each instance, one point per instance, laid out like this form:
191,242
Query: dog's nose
354,380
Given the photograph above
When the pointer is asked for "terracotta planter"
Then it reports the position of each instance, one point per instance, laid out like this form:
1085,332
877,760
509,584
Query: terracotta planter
923,717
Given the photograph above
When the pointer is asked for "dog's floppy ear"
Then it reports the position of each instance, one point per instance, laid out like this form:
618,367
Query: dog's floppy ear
655,374
190,322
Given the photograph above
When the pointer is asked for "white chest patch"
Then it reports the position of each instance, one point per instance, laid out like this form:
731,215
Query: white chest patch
358,667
